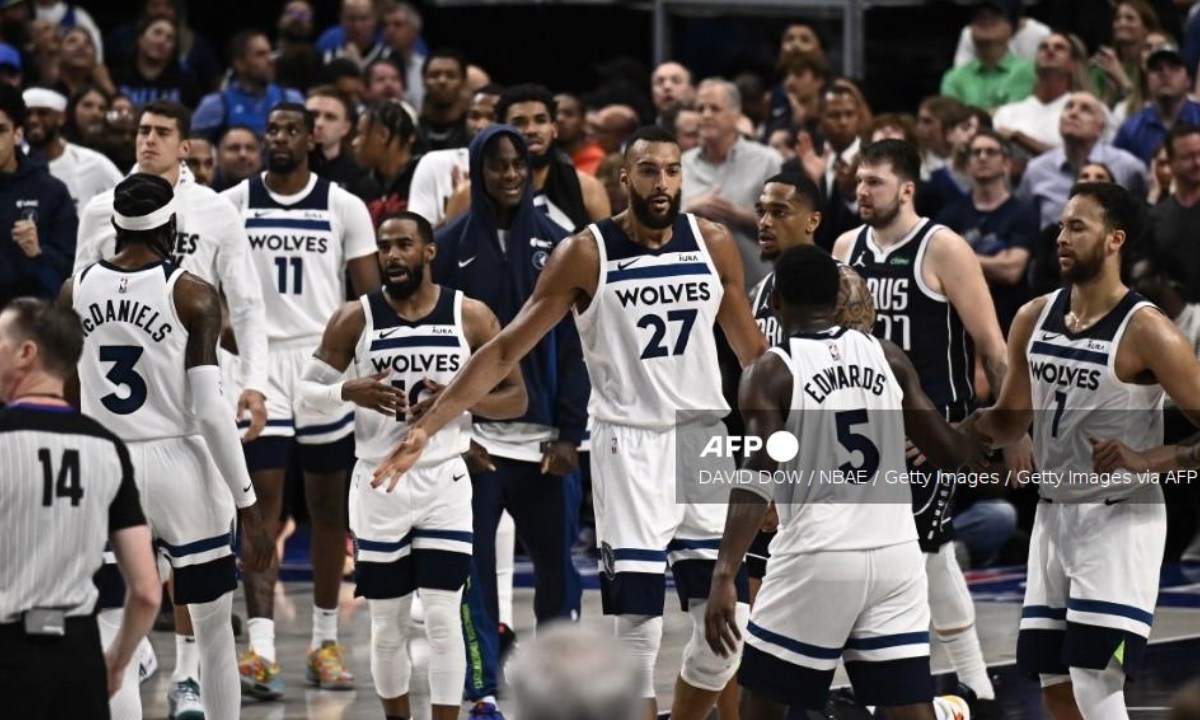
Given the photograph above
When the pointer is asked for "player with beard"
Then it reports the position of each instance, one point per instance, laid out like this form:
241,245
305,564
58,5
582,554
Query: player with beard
569,197
931,299
305,234
1090,365
646,288
407,341
85,172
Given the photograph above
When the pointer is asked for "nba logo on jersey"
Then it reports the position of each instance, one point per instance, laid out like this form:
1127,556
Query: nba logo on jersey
124,284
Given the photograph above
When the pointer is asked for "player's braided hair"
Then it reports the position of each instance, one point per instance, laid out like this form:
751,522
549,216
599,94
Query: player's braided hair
141,194
395,118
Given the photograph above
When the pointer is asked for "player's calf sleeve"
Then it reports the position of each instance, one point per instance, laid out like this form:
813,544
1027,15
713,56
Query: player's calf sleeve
126,704
967,658
447,651
702,668
222,696
1100,694
390,666
506,536
642,634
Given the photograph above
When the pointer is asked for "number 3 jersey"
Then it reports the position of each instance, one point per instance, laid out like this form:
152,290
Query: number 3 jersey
432,348
1077,395
132,377
648,333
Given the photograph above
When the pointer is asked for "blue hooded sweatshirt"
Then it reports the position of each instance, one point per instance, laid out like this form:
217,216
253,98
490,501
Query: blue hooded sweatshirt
469,258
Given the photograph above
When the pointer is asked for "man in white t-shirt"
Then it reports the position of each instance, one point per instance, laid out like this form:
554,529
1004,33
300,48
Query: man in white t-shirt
85,172
1032,123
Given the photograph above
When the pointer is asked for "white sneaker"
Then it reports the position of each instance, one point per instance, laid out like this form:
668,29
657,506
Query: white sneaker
147,661
951,707
183,701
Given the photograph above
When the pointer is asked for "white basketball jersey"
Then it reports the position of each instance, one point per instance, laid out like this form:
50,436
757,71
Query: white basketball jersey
298,252
648,333
131,375
845,488
433,348
1077,395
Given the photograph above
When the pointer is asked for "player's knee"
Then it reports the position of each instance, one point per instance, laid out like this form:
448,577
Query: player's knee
642,635
390,667
946,633
325,501
443,623
702,668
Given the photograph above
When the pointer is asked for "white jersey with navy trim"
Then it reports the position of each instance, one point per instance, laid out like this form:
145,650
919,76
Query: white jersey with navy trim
432,348
647,335
844,490
132,377
299,245
1077,395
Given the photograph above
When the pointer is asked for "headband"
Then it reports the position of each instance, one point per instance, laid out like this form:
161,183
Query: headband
43,98
156,219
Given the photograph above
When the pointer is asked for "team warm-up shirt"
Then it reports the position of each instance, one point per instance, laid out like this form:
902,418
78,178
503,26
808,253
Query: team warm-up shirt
68,484
433,182
648,333
299,247
210,243
432,348
85,172
1077,396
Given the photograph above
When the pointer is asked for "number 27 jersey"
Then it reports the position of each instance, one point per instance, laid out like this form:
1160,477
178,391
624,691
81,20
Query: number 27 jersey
648,333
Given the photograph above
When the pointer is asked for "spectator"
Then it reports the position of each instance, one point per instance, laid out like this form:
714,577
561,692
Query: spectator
154,72
44,52
250,94
401,33
1049,177
952,182
609,174
671,85
333,125
344,75
201,159
723,177
783,141
36,213
1160,178
798,40
1032,124
844,116
1167,84
996,76
805,78
614,123
239,155
441,173
1095,172
1173,222
1027,37
70,16
193,52
85,116
297,62
571,672
572,138
356,36
11,67
892,126
1118,69
383,80
85,172
1000,228
80,66
383,146
443,116
936,115
684,121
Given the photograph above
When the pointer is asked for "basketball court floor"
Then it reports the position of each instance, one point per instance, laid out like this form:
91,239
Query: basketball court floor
1173,658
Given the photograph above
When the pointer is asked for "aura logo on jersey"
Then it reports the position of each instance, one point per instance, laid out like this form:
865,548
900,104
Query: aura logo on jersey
781,446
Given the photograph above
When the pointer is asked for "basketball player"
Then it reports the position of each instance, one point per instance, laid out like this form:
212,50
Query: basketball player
1089,366
847,552
407,341
931,299
305,234
210,243
646,287
148,373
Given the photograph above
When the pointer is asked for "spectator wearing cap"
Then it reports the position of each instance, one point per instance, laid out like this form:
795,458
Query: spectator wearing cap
1167,84
1028,35
248,98
996,76
85,172
10,65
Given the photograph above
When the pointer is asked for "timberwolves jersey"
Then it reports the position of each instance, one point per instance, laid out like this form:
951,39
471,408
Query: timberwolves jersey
432,348
648,333
300,259
845,492
1077,395
920,321
131,374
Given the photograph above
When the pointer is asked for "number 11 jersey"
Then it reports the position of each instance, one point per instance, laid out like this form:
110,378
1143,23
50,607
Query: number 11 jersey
648,333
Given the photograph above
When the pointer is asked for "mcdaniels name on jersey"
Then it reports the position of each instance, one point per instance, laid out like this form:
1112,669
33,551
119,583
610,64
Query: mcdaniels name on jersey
126,311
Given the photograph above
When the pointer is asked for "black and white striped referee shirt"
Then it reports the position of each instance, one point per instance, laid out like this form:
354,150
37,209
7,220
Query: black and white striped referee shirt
67,483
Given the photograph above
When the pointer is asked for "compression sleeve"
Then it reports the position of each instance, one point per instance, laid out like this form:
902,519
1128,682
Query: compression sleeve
220,432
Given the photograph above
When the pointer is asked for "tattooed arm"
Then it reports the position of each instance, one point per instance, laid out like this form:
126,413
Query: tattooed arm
855,306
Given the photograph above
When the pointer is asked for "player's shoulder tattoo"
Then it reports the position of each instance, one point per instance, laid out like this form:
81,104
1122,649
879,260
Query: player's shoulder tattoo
855,305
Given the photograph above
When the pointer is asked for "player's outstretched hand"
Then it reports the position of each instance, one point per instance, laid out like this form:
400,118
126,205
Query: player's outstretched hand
252,401
429,394
1113,455
720,618
401,460
258,550
370,393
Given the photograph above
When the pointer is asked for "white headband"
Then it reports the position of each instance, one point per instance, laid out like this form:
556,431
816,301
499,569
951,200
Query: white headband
156,219
43,98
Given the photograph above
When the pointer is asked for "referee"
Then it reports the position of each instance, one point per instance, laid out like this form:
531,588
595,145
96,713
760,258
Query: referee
68,487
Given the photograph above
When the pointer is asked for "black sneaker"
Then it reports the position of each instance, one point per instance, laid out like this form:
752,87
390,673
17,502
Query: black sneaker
980,709
508,641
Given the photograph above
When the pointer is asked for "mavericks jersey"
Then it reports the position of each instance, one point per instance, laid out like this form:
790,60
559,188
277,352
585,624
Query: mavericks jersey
132,378
1077,395
647,335
760,304
432,348
844,489
923,323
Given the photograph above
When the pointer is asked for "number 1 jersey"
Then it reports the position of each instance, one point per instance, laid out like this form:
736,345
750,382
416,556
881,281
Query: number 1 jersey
648,333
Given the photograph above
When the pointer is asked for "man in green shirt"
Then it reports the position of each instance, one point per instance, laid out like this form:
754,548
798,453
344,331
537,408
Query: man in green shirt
996,77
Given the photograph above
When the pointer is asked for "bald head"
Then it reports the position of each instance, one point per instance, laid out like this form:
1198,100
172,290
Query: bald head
671,84
572,672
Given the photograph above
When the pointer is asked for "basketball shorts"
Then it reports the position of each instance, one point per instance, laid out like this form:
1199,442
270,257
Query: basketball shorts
417,536
650,513
866,607
1093,584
